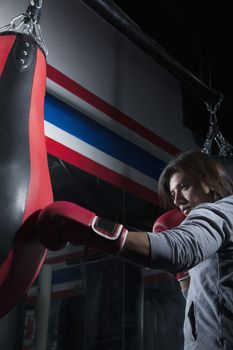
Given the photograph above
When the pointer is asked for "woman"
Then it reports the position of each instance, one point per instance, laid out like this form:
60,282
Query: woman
203,243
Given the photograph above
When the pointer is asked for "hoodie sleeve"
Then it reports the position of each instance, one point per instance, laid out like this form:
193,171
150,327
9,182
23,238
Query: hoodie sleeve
204,231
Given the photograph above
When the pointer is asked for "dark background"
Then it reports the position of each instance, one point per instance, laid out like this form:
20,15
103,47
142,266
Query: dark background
197,34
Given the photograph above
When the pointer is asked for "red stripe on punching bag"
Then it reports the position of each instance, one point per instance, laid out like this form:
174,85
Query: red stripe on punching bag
6,44
23,166
39,191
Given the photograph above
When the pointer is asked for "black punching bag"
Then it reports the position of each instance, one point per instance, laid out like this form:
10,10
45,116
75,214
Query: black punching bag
25,185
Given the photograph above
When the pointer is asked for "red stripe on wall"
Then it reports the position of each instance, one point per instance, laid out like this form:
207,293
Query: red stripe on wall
58,150
75,257
78,90
162,277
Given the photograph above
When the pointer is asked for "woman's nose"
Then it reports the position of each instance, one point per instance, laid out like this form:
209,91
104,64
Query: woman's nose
177,199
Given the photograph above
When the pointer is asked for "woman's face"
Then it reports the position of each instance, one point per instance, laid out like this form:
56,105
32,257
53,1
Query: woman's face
187,193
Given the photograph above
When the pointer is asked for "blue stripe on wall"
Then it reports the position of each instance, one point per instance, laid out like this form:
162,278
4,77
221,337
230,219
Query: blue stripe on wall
77,124
67,275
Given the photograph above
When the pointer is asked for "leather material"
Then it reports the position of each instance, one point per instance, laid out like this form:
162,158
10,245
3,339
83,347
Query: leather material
23,164
168,220
62,222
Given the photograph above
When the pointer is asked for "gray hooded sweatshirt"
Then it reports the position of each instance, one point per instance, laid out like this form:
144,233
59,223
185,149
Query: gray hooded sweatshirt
202,244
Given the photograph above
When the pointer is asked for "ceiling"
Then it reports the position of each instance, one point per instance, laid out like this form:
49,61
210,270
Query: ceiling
192,34
198,37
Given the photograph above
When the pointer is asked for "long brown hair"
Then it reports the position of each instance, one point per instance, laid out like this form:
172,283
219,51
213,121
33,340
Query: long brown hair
199,166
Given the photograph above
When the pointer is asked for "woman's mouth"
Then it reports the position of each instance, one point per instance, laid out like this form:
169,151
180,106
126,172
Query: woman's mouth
185,210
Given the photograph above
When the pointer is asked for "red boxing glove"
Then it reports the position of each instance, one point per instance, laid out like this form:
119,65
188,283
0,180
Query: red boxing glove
166,221
182,276
63,221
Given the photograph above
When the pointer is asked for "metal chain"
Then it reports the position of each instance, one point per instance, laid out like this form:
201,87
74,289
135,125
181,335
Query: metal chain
37,3
28,23
213,110
214,134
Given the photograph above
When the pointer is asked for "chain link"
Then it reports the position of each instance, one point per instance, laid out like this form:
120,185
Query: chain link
28,23
214,134
213,110
37,3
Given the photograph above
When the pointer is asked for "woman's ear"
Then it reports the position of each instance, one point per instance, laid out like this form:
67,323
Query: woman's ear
207,189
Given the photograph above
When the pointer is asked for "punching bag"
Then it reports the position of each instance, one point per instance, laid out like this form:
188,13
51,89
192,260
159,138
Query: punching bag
25,185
